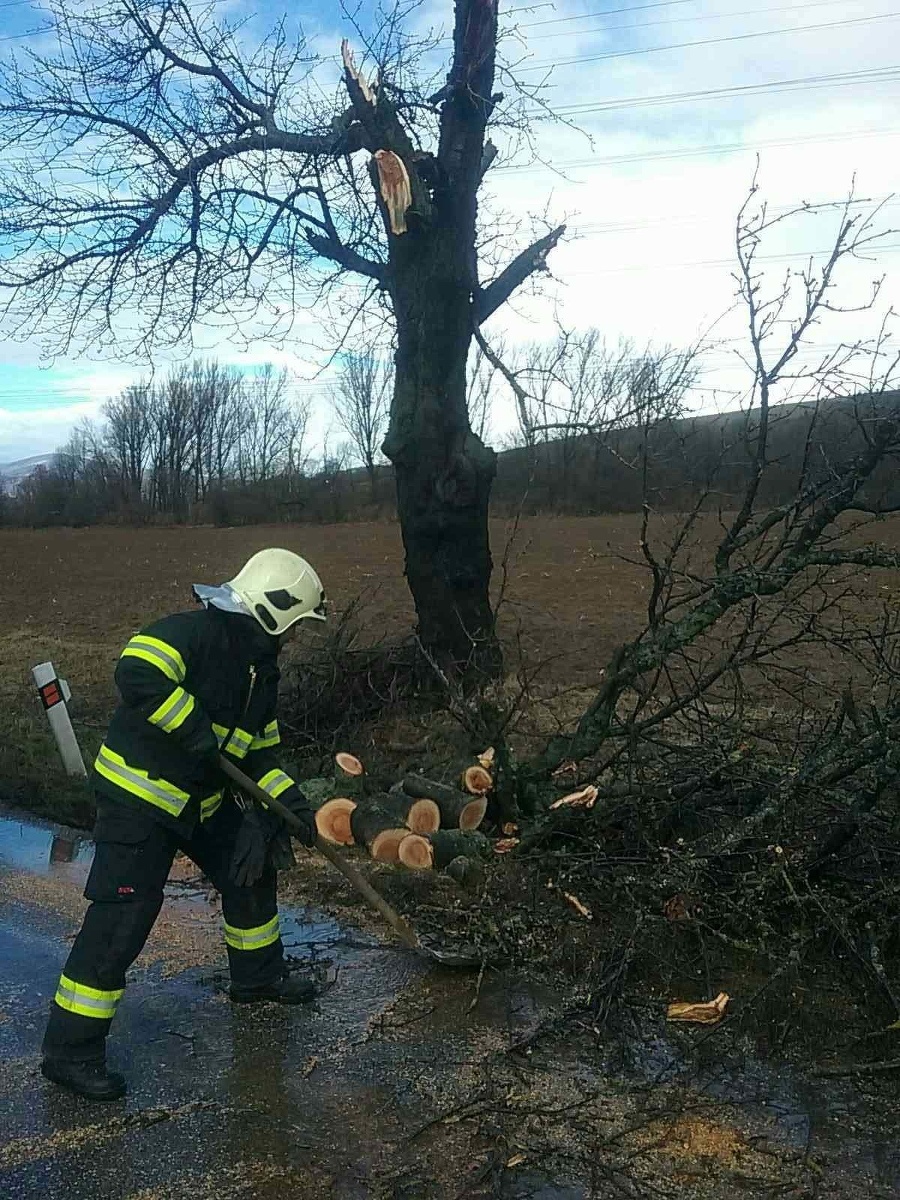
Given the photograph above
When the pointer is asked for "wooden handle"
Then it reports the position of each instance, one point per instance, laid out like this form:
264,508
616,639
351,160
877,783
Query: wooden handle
400,926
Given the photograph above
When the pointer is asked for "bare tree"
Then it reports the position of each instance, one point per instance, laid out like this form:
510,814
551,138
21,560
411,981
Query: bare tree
778,570
127,440
213,182
360,403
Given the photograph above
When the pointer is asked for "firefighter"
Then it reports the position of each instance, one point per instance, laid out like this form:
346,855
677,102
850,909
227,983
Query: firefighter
192,685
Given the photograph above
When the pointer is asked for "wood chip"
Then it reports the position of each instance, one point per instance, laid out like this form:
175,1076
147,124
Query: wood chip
505,845
586,797
486,758
709,1012
516,1160
581,909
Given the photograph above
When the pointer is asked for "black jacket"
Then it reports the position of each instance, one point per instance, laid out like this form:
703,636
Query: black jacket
192,684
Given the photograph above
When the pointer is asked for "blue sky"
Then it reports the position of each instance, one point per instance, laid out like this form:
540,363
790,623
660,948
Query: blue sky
649,181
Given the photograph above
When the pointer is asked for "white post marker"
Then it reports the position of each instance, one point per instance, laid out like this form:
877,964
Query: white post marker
54,694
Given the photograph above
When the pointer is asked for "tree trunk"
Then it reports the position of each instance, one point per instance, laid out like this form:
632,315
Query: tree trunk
443,470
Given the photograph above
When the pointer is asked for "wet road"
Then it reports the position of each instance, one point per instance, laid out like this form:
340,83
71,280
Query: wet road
224,1100
368,1092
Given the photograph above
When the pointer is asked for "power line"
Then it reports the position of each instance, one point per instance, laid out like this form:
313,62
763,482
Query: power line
735,37
892,248
694,219
701,19
696,151
808,82
604,12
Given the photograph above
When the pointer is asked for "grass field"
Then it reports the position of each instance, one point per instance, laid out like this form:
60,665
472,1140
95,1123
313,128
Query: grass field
75,596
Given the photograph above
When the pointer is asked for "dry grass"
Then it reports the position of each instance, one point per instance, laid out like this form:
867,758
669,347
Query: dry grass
74,596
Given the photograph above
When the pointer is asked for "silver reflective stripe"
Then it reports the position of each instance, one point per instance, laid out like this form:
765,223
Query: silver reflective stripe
67,997
178,711
139,784
275,782
143,646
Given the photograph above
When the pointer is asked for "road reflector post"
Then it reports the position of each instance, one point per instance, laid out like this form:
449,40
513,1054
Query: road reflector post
54,693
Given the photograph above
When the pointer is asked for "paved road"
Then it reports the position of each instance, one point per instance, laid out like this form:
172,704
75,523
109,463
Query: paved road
224,1100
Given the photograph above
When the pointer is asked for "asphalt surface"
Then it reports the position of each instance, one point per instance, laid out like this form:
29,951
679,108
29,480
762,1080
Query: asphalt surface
224,1100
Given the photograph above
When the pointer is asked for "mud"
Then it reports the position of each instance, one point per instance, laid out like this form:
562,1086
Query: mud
400,1082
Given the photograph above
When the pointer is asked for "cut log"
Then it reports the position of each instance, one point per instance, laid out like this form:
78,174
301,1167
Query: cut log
458,810
349,764
380,830
417,813
333,820
438,850
476,780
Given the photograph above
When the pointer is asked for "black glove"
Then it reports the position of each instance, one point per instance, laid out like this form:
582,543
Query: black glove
251,847
298,804
281,852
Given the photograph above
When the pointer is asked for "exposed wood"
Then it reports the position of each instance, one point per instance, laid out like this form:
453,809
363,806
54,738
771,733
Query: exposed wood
415,853
378,829
349,764
333,820
476,780
709,1012
393,182
417,813
423,816
459,810
585,797
437,850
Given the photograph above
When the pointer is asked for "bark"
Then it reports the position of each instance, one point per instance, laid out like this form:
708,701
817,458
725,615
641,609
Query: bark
378,829
437,850
459,810
443,470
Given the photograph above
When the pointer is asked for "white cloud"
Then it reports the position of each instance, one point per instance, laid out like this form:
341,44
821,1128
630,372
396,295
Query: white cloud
655,235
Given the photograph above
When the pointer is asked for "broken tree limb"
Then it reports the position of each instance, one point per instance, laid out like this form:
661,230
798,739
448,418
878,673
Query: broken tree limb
437,850
459,810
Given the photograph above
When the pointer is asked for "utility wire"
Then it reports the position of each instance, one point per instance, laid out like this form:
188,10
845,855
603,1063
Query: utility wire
887,74
700,19
694,151
875,251
735,37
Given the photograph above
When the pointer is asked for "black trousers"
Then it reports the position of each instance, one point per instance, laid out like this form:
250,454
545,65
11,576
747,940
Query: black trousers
132,859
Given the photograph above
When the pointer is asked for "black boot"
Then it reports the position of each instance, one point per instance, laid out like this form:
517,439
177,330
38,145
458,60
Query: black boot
89,1079
286,989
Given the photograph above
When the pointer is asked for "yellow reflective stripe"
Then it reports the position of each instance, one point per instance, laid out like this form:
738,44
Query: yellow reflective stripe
270,736
275,782
163,794
174,710
209,805
252,939
87,1001
239,743
159,654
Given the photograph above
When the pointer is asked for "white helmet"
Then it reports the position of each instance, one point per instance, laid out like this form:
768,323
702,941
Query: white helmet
279,588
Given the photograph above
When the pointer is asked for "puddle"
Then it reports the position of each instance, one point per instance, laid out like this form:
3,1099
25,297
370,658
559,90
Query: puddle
44,849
